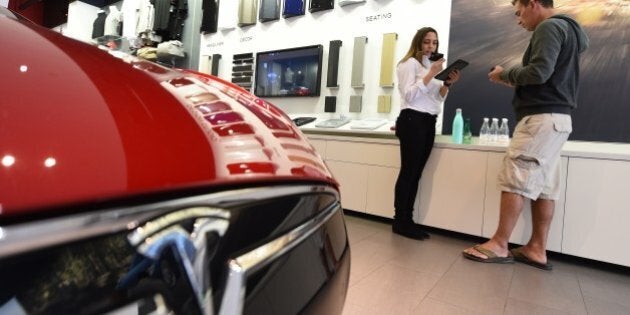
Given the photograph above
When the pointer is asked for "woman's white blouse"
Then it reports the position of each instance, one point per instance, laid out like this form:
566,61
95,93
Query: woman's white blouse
414,93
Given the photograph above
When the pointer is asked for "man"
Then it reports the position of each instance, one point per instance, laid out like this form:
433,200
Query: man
546,87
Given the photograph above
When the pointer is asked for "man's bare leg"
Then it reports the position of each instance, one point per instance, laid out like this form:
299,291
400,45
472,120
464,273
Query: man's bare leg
511,206
542,214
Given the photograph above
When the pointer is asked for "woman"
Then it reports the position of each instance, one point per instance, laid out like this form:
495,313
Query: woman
422,96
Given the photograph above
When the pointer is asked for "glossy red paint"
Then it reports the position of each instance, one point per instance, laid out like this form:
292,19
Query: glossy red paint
83,126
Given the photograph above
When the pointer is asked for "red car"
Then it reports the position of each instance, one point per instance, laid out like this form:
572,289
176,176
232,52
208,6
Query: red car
301,91
127,187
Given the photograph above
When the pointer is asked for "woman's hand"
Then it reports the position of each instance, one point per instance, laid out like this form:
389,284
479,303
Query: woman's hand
436,67
453,77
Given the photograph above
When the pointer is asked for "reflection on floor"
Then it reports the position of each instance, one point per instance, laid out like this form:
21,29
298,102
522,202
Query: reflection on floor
395,275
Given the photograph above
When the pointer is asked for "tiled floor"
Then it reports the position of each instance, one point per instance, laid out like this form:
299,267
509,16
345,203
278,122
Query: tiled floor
395,275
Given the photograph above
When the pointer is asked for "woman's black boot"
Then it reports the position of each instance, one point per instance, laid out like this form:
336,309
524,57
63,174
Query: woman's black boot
403,225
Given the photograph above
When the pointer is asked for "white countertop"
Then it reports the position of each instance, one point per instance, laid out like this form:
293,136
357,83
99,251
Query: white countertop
383,134
382,131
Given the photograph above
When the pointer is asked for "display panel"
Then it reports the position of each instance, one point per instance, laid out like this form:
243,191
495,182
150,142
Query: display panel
269,10
243,70
293,8
215,64
289,72
330,104
387,59
247,12
210,19
358,59
321,5
355,103
349,2
603,93
333,63
228,15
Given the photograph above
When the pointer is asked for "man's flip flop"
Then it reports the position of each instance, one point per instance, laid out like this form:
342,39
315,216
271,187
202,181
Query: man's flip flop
520,257
492,256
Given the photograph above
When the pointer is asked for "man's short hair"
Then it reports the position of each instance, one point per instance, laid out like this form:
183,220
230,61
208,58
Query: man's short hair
544,3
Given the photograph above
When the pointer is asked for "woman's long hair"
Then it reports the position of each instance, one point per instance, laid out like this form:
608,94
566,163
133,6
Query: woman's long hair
415,50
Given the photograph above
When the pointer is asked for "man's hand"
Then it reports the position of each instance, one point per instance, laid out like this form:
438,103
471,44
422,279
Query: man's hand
495,76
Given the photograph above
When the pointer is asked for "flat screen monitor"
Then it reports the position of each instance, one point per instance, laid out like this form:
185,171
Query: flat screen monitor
289,72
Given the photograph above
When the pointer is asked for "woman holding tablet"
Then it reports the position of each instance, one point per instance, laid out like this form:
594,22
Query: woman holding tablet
421,99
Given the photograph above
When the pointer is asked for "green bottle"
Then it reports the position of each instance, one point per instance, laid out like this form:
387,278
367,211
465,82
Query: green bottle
467,132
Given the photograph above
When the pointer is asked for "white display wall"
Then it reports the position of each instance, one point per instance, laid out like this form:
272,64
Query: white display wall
372,19
81,18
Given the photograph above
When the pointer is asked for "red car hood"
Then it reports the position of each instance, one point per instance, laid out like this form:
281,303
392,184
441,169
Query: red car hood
78,125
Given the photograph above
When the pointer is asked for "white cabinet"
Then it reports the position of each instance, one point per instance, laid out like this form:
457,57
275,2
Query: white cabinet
452,190
380,191
367,173
353,179
364,153
366,188
523,229
597,210
320,146
458,191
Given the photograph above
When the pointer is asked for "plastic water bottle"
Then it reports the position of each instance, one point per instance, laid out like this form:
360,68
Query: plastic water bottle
484,132
494,131
458,127
504,132
467,132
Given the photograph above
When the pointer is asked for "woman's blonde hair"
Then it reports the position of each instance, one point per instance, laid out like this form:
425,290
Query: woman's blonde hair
415,50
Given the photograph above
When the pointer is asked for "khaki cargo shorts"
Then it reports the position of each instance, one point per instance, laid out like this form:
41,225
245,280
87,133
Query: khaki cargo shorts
531,165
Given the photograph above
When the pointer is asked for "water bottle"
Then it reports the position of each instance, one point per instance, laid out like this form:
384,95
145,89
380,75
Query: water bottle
467,132
504,132
484,132
458,127
494,131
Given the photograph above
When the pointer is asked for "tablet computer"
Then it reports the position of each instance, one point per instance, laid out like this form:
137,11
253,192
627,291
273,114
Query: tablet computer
459,64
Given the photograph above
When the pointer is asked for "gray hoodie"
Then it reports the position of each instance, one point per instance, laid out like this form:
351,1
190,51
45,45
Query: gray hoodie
547,82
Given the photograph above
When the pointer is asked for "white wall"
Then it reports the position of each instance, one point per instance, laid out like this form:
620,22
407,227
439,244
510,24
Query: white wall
372,19
81,18
4,3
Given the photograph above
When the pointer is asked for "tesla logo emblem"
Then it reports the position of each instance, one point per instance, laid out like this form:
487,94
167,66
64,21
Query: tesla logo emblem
184,232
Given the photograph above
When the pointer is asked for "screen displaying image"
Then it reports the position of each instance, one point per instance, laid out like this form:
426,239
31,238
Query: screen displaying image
486,33
289,72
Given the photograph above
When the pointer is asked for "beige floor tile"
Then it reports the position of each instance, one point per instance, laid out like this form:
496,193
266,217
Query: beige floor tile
358,232
367,256
398,245
391,274
555,290
377,249
518,307
354,309
606,286
596,306
430,306
435,255
566,268
352,219
391,290
474,286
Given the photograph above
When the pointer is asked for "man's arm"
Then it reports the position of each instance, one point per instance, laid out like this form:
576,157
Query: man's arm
543,53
